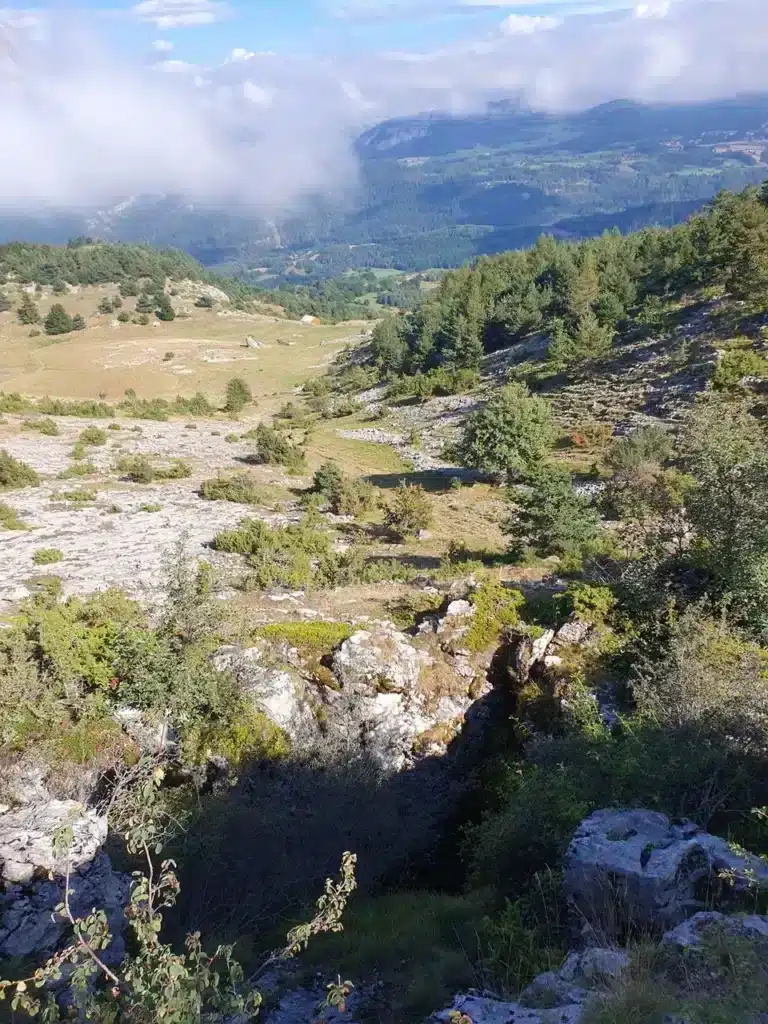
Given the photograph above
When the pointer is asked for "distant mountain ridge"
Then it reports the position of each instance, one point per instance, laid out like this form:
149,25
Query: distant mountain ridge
438,190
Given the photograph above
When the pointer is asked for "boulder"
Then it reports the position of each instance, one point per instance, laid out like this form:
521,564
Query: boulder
381,659
276,691
29,925
402,700
151,736
554,997
28,839
526,651
636,866
690,933
33,870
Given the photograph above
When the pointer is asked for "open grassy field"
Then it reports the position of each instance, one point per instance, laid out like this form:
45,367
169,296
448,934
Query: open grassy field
200,351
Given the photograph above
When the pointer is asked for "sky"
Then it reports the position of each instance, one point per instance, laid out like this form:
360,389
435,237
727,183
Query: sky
259,101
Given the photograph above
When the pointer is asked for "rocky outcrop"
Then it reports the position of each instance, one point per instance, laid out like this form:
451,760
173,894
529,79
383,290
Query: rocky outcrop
276,690
637,867
392,696
28,839
406,697
689,934
153,737
37,845
555,997
28,922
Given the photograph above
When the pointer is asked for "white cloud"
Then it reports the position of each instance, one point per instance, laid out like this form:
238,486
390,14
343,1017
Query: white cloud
162,46
269,129
525,24
181,13
174,66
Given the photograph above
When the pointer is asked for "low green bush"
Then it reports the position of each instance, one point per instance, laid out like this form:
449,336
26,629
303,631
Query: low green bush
273,448
139,469
47,556
236,487
77,469
496,607
15,474
80,496
316,637
45,426
93,437
409,511
9,518
248,735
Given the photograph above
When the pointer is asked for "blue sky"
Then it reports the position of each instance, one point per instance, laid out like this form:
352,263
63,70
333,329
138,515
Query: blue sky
302,26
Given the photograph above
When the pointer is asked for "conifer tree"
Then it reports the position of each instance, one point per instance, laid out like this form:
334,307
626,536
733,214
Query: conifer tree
58,320
164,310
78,323
28,313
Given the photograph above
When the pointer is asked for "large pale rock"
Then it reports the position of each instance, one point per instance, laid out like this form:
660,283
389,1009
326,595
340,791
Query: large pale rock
381,659
480,1010
30,927
279,692
635,866
28,838
400,699
152,737
554,997
689,934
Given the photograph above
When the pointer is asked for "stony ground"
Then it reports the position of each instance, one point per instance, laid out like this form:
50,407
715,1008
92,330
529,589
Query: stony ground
112,541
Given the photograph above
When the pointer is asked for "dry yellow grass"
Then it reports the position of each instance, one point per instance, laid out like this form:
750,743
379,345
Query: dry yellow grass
208,349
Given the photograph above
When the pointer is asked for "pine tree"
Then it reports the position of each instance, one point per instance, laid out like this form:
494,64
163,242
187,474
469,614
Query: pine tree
78,323
128,289
584,287
105,306
28,313
58,320
165,310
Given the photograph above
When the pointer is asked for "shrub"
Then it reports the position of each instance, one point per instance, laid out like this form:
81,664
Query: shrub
590,342
47,556
105,306
273,448
317,637
77,469
409,511
512,434
15,474
355,498
164,310
78,497
205,302
237,487
238,395
296,555
327,479
123,317
496,607
45,426
169,356
248,736
140,470
647,445
548,515
93,437
150,508
588,602
735,365
9,518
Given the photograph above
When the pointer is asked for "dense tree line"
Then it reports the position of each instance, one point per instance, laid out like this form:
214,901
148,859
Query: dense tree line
581,294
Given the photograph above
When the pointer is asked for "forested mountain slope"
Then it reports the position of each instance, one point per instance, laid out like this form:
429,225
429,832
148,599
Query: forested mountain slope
435,191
